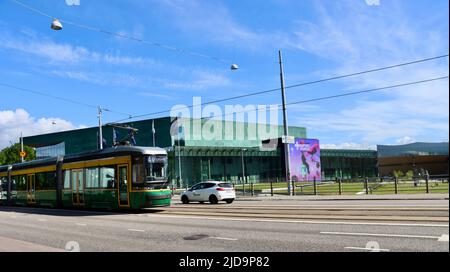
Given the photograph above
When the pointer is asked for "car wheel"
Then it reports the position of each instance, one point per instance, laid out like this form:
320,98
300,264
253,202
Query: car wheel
213,199
229,201
185,199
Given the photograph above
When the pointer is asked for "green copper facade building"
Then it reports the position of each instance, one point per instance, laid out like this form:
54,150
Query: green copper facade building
201,149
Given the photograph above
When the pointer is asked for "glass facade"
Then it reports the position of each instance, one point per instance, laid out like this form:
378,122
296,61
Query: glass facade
51,151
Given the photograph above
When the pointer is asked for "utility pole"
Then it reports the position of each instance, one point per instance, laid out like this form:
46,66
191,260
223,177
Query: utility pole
21,147
285,127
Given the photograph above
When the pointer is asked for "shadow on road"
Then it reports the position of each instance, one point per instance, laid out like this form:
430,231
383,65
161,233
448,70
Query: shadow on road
74,212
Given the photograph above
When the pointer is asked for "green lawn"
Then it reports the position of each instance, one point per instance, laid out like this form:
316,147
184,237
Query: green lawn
349,188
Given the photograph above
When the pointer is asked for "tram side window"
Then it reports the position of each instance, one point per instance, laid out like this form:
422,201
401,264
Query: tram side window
66,179
51,180
3,188
45,181
22,183
107,177
14,183
92,180
40,181
138,171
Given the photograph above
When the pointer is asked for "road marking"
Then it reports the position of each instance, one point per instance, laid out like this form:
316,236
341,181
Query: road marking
81,224
42,220
369,249
443,238
380,235
13,217
136,230
304,222
224,238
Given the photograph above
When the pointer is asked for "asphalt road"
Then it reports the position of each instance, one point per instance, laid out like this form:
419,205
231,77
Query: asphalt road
396,225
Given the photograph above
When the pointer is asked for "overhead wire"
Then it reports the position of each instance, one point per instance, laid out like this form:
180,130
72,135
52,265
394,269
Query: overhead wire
291,86
59,98
124,36
278,106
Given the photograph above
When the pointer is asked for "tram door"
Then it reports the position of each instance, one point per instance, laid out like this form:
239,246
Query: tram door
77,187
123,185
31,189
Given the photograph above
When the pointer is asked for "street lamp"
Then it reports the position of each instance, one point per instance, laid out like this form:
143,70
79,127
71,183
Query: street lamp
243,166
56,25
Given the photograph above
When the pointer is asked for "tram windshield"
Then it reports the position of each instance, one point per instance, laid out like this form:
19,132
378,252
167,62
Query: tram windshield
150,171
155,167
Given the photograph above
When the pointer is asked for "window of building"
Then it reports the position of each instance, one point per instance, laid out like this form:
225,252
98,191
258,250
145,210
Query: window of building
51,151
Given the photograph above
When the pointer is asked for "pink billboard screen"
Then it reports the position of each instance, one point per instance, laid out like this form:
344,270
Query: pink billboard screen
304,159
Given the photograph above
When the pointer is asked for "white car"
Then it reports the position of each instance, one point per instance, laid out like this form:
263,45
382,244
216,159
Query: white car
212,191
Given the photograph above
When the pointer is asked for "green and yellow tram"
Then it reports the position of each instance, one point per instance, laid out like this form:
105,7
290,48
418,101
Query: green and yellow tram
122,177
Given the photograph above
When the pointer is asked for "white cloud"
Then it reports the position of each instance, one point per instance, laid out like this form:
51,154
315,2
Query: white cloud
100,78
213,20
54,52
154,94
57,53
405,140
352,146
200,80
13,122
196,80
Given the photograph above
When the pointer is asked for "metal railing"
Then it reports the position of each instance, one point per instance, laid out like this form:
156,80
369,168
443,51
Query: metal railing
360,186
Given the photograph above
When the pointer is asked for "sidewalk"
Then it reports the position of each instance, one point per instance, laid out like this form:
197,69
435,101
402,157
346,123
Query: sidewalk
264,197
347,197
13,245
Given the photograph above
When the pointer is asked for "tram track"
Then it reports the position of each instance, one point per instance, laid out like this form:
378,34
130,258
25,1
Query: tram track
416,213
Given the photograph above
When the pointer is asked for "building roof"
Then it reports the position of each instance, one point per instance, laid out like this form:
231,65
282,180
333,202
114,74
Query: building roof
413,149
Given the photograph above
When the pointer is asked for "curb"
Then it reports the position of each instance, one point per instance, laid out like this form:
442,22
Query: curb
334,199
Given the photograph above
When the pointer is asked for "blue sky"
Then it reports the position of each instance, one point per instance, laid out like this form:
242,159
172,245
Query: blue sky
319,39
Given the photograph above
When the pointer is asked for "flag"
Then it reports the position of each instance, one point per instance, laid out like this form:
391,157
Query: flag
133,140
115,136
153,132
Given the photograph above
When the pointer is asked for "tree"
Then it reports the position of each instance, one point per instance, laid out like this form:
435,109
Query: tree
11,155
